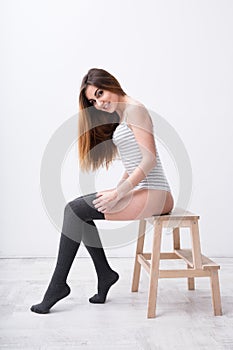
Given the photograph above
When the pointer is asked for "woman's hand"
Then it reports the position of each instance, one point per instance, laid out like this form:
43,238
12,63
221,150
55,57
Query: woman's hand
105,200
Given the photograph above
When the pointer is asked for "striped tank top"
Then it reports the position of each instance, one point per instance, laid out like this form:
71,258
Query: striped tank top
130,154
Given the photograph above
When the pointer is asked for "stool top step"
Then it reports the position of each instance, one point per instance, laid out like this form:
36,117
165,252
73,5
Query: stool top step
177,213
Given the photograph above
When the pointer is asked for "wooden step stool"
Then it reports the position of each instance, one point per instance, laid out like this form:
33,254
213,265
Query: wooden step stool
198,265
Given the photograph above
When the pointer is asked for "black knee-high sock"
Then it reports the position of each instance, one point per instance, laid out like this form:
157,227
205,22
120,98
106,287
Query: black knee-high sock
78,224
84,208
58,288
69,243
106,276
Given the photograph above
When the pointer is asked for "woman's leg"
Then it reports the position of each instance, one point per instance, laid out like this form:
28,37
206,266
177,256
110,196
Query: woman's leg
77,225
84,207
141,203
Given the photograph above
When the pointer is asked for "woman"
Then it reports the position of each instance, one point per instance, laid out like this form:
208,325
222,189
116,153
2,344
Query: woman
110,123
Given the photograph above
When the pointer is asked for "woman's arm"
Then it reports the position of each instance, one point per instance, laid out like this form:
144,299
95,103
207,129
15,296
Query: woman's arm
124,177
142,127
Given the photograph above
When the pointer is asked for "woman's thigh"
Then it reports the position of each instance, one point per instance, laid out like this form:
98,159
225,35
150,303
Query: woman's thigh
139,204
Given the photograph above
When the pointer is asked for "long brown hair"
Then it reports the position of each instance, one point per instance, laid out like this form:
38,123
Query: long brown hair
95,127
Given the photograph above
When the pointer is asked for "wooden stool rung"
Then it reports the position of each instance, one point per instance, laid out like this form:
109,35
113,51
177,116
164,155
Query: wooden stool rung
163,256
143,261
181,273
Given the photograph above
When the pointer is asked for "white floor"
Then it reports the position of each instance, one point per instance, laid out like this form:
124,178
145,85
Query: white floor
184,318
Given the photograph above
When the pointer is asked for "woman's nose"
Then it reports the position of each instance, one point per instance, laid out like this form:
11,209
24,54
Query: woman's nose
99,103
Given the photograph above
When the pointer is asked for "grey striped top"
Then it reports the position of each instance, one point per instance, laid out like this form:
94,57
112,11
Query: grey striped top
129,151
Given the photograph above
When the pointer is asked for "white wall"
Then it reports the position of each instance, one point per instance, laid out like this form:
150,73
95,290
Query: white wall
175,56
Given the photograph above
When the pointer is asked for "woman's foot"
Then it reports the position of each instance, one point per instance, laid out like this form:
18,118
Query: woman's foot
103,287
54,293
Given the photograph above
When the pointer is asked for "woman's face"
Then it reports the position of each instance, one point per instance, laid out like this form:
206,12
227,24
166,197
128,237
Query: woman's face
102,99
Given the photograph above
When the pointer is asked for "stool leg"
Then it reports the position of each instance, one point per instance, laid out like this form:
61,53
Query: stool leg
191,284
216,297
139,250
176,238
154,269
196,246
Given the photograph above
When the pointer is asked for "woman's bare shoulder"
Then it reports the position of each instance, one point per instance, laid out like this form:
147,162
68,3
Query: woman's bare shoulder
138,115
136,109
132,104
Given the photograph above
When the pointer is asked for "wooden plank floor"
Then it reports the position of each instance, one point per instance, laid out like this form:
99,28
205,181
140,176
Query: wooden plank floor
184,318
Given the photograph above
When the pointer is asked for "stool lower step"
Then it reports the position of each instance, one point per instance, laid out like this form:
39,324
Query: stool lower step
143,259
187,256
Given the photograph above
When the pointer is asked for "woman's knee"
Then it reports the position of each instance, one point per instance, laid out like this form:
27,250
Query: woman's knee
82,207
73,222
75,207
